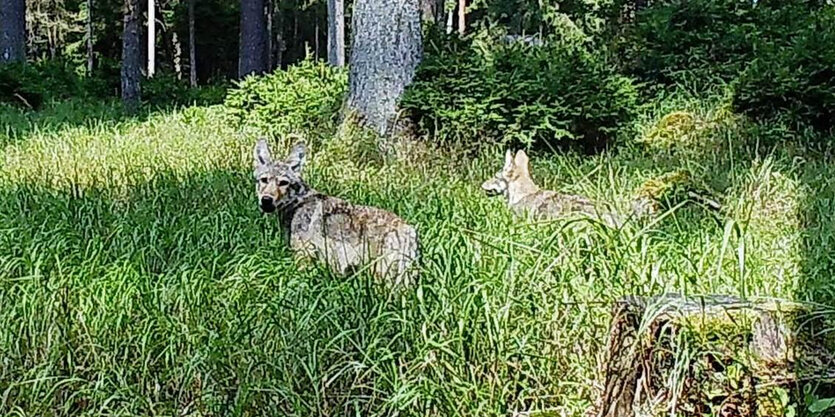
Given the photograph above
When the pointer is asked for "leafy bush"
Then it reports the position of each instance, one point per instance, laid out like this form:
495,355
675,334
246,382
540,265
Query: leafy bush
166,89
468,91
20,84
794,82
301,99
32,84
697,42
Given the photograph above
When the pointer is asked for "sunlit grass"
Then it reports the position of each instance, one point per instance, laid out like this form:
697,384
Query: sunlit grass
138,278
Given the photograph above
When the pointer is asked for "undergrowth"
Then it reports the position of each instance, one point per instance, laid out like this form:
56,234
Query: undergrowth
137,276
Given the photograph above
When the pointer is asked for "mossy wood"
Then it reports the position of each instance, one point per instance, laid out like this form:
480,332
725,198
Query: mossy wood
708,355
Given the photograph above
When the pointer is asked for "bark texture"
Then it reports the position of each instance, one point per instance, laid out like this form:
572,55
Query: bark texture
12,30
386,50
89,29
270,44
336,33
131,55
432,11
192,49
253,43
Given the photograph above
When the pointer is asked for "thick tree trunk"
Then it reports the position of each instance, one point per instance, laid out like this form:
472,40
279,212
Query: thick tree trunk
336,33
89,37
12,30
462,16
253,45
192,49
386,50
131,56
152,37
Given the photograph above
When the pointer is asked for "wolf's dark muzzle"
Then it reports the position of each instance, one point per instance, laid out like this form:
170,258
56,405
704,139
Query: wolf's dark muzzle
267,204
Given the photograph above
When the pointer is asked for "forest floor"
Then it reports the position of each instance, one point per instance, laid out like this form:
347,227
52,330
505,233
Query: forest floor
137,276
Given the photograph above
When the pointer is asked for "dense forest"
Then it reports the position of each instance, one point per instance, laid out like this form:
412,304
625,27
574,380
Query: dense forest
661,244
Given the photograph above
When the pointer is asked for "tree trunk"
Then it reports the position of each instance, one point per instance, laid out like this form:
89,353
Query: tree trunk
253,44
279,39
270,46
152,37
12,31
89,37
449,20
131,56
432,11
316,39
192,49
336,33
386,50
462,16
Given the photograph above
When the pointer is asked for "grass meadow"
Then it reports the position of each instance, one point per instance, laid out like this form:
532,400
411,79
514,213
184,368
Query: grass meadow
137,276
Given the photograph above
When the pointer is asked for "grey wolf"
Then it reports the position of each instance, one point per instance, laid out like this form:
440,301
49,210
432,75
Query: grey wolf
345,236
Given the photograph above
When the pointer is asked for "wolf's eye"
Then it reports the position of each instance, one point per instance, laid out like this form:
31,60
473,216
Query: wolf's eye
283,183
263,180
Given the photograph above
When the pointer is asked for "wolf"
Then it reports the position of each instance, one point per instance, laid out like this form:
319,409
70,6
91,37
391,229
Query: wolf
344,236
514,182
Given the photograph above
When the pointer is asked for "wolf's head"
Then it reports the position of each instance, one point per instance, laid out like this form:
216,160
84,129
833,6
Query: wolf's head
514,177
278,183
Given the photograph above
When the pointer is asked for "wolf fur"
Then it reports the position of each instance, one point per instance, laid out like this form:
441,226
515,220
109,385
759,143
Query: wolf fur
523,196
345,236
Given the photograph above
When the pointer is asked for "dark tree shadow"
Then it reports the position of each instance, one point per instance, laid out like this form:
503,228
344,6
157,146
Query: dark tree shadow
817,283
17,123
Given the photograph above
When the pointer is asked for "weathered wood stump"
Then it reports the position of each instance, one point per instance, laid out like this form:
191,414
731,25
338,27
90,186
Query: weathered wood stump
712,355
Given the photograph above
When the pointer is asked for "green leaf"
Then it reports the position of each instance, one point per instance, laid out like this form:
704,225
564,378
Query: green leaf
822,405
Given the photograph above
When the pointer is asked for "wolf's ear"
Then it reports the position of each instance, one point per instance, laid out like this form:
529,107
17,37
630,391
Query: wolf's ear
508,160
296,157
261,153
521,160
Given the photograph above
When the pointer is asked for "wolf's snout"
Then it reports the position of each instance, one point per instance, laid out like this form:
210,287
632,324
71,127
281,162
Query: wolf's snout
491,188
267,204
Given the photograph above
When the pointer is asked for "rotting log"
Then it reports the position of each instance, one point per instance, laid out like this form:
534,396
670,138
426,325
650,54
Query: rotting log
711,355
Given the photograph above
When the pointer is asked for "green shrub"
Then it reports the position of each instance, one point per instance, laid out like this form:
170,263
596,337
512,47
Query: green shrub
794,82
302,99
32,84
699,42
560,93
166,89
21,85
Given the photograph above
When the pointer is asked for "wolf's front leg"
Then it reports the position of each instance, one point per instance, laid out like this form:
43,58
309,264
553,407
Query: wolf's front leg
304,252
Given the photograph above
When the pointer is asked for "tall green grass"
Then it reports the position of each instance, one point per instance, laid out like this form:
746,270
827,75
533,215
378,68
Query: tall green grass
137,276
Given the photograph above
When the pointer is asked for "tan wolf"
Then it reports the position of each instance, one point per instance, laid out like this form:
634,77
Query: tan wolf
525,197
345,236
